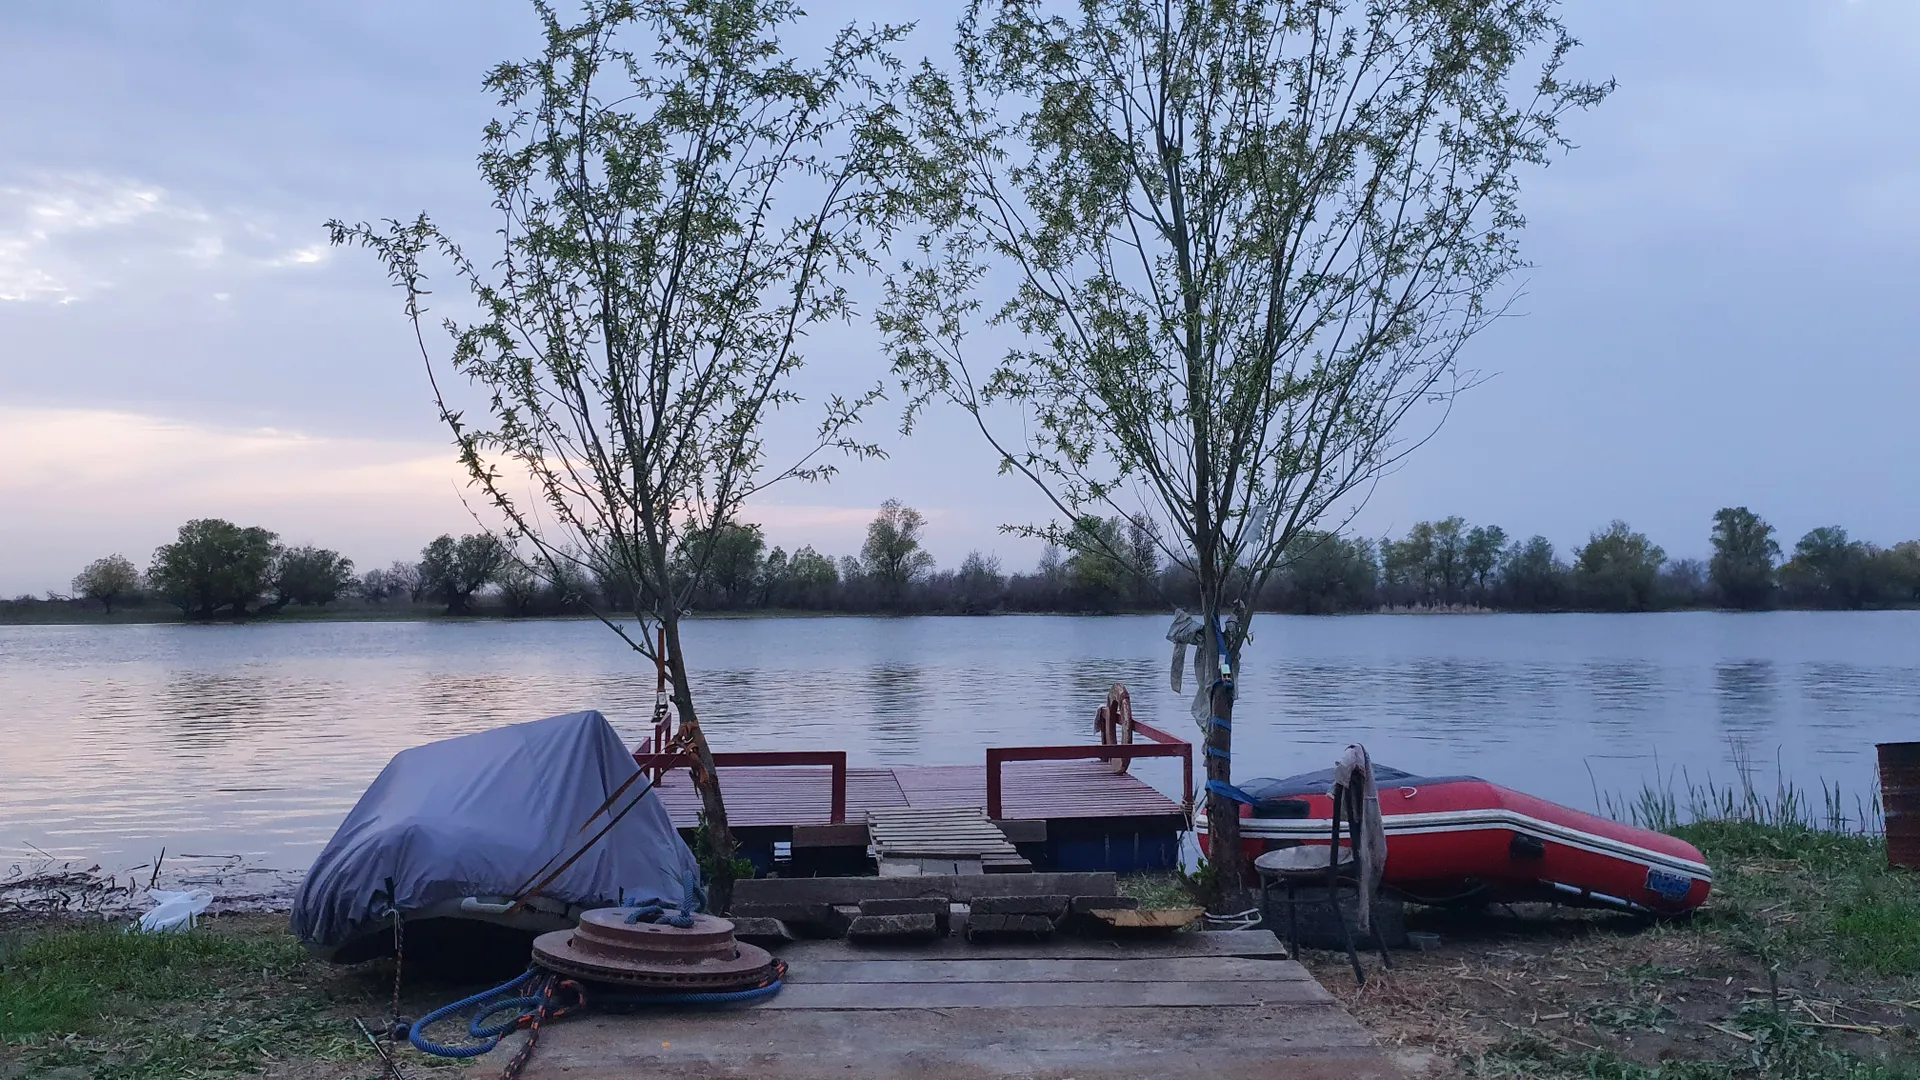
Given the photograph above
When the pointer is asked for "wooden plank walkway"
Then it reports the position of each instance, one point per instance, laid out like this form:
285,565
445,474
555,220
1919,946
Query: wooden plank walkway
785,796
1188,1007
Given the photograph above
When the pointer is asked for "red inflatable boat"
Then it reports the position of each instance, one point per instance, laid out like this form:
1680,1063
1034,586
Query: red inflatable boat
1460,839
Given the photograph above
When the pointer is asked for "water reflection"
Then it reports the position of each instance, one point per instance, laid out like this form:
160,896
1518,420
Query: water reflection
1746,694
897,705
256,739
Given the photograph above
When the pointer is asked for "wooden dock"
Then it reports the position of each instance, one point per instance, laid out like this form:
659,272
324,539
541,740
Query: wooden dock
1064,806
782,797
1184,1007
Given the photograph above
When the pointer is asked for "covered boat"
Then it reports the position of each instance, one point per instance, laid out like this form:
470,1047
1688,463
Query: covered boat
1460,839
501,834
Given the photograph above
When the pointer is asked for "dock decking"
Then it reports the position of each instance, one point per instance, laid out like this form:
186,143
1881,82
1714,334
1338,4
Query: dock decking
782,797
1186,1007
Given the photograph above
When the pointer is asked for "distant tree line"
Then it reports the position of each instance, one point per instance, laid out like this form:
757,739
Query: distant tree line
215,568
1446,564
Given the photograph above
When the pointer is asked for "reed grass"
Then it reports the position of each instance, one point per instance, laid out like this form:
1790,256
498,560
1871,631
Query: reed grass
1664,806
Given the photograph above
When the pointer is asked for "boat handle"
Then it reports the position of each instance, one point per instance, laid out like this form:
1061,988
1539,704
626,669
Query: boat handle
475,904
1409,792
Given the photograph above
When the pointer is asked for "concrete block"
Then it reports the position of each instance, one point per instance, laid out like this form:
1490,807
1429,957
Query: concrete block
806,919
994,927
1053,908
761,931
937,906
879,929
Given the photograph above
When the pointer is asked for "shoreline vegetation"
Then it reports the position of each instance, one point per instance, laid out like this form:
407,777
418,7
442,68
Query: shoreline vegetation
1804,964
218,571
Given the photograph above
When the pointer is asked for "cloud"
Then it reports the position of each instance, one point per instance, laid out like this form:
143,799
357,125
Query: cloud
87,482
71,236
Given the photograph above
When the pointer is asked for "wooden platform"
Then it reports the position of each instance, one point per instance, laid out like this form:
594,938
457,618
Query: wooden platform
1046,790
1179,1008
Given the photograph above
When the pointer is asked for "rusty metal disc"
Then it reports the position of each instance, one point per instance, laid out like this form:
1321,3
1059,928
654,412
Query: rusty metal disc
605,947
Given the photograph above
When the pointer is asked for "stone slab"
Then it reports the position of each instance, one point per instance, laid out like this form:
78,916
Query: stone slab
884,928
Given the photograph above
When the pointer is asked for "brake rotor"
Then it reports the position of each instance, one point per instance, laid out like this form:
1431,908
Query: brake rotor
606,948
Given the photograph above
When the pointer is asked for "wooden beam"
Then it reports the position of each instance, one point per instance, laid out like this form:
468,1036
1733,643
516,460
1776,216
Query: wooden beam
960,887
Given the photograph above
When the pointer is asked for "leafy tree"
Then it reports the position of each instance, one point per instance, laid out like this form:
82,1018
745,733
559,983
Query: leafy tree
1829,570
1744,552
310,576
1328,573
1098,569
106,580
733,562
979,581
1684,583
519,588
678,199
1481,555
377,584
1241,244
892,554
1902,565
1617,569
1531,576
1450,571
1409,564
405,577
214,565
453,570
811,576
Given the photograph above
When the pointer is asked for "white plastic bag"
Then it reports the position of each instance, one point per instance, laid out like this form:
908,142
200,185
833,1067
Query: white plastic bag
175,910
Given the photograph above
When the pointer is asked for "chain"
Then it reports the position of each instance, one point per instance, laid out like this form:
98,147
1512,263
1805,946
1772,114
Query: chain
399,959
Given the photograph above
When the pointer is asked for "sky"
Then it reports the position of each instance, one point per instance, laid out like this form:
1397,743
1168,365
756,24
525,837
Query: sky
1721,307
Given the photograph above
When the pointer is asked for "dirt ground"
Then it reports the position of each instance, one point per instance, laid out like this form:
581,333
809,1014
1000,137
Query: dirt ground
1537,990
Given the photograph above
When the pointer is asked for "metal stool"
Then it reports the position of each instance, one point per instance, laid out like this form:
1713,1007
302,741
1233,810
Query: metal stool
1290,868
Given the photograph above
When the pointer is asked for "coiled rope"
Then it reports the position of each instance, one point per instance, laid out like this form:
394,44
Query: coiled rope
529,996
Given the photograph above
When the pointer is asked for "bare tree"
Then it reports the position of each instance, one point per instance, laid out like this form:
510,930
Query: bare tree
1236,248
677,198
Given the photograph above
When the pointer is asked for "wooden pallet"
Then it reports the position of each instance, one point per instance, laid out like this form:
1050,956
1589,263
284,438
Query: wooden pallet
962,837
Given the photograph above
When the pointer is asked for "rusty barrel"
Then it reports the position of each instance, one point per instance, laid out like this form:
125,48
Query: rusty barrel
1900,801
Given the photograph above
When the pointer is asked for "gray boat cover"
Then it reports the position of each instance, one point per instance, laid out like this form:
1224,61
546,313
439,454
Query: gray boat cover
480,815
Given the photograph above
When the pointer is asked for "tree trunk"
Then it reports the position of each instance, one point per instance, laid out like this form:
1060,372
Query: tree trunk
706,779
1223,814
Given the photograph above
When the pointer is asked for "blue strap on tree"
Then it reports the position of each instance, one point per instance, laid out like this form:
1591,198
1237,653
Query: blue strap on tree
1216,752
1222,788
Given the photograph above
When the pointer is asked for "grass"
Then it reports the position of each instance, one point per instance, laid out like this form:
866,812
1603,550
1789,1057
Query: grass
83,999
1158,890
1804,964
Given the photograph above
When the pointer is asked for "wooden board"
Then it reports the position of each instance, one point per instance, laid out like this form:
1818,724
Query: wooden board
1147,918
1311,1041
957,832
1255,944
1047,969
786,796
962,888
1110,995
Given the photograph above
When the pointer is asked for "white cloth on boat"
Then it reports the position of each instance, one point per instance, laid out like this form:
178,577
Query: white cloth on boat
1353,774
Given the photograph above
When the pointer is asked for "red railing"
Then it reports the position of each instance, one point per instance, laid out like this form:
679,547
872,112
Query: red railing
1161,745
837,759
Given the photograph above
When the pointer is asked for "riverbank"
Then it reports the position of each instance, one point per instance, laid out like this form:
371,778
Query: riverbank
1803,965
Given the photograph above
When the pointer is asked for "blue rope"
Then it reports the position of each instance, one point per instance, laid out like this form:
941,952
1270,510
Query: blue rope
1219,723
689,900
493,1003
1216,752
417,1034
723,997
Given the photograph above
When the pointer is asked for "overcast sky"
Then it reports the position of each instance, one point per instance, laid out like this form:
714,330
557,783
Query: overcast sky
1722,308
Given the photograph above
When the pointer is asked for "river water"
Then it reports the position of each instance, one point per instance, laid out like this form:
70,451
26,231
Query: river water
253,741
